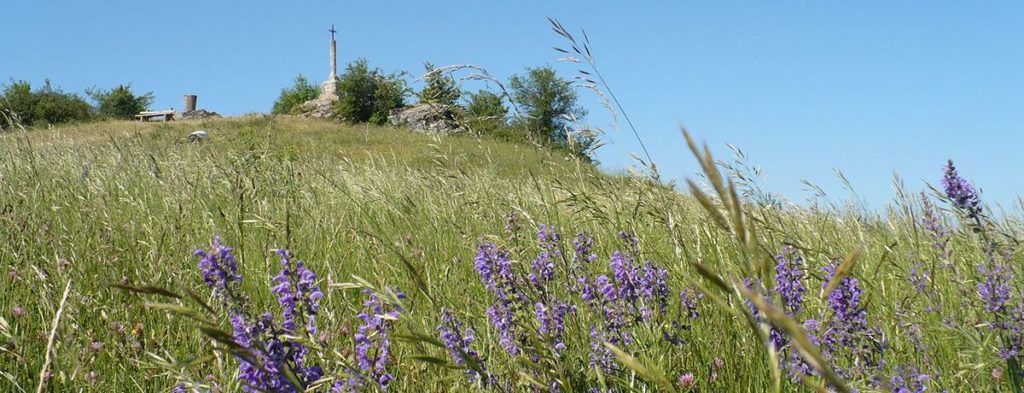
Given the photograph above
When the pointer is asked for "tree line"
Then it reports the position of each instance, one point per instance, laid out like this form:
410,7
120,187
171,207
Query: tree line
46,104
543,109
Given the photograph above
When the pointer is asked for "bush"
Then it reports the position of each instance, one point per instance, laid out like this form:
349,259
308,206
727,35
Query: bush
46,105
486,113
366,95
547,103
120,102
17,101
290,98
440,89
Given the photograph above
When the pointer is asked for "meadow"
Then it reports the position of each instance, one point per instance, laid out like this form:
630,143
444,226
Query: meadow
468,264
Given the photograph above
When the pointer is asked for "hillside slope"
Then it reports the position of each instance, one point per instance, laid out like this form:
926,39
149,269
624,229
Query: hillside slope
119,202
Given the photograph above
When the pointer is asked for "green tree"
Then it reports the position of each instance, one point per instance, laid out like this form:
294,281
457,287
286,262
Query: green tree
47,104
55,106
290,98
17,101
367,95
119,102
441,88
485,113
547,103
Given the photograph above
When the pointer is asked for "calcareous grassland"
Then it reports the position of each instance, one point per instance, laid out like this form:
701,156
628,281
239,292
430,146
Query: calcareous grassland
89,206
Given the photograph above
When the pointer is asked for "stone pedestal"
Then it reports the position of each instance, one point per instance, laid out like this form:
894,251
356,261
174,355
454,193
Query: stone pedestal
329,89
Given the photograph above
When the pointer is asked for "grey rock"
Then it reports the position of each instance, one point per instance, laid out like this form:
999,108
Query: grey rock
425,118
197,114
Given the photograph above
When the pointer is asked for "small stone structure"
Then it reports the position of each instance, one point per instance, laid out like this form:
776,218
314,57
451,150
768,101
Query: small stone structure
425,118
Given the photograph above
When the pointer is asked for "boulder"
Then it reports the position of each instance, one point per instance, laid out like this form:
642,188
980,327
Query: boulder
425,118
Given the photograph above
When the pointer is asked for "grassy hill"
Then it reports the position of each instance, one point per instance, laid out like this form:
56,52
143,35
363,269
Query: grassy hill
86,206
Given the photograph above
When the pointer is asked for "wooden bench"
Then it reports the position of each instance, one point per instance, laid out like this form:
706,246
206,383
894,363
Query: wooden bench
150,115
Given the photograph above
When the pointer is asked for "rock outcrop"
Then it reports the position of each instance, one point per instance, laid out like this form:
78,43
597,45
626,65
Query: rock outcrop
320,108
197,114
425,118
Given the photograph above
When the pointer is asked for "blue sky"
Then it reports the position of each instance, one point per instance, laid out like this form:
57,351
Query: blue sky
870,88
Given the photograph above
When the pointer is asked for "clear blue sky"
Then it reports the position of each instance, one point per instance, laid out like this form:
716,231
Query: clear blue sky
802,87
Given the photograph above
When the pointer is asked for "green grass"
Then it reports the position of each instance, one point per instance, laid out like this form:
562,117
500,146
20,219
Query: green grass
129,203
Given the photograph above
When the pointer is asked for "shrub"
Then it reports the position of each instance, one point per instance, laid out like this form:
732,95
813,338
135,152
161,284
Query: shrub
547,103
47,104
119,102
486,113
441,88
290,98
17,101
367,95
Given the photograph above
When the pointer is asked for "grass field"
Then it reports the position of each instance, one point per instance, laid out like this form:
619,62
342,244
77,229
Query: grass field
86,206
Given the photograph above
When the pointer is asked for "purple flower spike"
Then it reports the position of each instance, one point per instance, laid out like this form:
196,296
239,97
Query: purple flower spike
961,192
789,276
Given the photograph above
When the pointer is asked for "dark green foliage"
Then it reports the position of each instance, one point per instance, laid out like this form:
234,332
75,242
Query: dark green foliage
368,95
46,105
441,88
119,102
17,101
290,98
486,113
547,103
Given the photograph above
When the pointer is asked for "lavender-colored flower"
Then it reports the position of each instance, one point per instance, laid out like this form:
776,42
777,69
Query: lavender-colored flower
994,288
296,285
908,380
270,353
542,269
495,269
689,300
551,322
219,269
798,365
849,321
789,277
961,192
503,319
601,357
459,344
933,224
372,342
18,311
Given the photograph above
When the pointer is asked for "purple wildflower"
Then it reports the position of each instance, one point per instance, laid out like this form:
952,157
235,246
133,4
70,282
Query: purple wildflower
495,269
372,342
502,317
270,354
994,289
459,344
18,311
689,300
908,380
789,280
961,192
933,224
542,269
219,269
849,316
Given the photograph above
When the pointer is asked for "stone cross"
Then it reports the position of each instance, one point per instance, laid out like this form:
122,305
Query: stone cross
334,57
